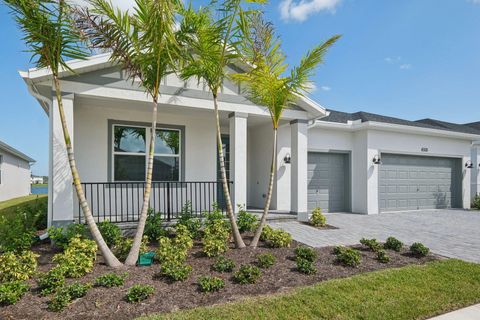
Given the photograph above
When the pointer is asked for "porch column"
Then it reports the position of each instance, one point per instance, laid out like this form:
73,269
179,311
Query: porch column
299,161
238,158
61,181
476,171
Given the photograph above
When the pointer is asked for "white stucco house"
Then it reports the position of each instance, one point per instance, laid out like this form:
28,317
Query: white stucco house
361,163
14,172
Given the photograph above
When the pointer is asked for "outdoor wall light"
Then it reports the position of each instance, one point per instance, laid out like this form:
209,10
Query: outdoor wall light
377,160
469,164
287,159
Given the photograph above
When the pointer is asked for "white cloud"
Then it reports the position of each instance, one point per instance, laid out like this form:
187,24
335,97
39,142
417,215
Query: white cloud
406,66
474,1
325,88
300,10
122,4
398,61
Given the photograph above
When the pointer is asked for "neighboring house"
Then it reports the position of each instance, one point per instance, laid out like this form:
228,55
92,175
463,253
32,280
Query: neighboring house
360,162
14,173
36,180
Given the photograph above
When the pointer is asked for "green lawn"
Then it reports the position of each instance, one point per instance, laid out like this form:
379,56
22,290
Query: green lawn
414,292
9,206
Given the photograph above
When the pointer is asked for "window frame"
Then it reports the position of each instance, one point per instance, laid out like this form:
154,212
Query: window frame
111,150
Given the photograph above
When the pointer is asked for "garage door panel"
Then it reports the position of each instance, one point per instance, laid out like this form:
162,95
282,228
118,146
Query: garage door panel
412,182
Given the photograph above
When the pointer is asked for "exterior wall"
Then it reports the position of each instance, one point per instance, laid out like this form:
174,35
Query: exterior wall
281,195
15,179
475,171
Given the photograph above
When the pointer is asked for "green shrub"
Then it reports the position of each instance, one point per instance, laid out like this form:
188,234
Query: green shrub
50,281
17,267
188,220
419,250
175,271
215,237
372,244
348,256
122,249
76,290
266,233
245,221
213,216
382,256
393,244
305,253
16,234
110,280
172,250
266,260
317,218
183,238
154,226
279,239
476,202
11,292
247,274
78,258
223,264
305,266
139,293
210,284
61,236
59,301
111,233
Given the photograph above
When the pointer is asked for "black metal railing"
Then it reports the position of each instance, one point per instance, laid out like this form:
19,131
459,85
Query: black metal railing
122,201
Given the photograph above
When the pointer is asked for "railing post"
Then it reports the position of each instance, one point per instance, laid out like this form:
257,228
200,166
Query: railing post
169,210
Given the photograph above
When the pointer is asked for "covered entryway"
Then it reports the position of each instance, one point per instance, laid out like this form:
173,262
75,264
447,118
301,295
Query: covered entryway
417,182
328,181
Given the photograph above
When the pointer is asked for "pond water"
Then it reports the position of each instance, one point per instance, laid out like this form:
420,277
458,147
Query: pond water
39,189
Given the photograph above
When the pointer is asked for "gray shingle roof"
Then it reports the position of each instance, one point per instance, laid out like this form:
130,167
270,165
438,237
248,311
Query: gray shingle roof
344,117
15,152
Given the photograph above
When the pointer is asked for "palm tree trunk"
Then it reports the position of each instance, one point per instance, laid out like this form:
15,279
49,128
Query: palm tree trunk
137,241
107,254
273,169
237,238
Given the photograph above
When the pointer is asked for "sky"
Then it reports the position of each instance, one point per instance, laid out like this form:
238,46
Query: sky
411,59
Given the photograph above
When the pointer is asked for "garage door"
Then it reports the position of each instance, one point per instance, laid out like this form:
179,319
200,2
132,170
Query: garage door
328,177
413,183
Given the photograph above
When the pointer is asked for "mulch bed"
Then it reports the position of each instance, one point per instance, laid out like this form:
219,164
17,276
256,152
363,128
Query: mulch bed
326,227
103,303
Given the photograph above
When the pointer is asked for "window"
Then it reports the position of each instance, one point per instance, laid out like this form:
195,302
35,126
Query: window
130,153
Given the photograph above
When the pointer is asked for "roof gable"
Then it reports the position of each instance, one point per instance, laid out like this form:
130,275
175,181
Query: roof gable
15,152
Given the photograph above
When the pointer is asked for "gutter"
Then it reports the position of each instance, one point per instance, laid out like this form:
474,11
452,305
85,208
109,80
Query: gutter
45,102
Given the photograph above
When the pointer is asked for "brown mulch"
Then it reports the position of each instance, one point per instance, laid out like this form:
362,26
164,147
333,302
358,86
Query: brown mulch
325,227
103,303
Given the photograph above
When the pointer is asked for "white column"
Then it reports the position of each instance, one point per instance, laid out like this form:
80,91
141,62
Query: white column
467,183
372,182
475,171
238,158
299,165
61,181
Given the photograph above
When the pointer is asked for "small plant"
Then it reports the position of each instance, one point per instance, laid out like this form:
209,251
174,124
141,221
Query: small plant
305,253
318,219
170,252
154,226
372,244
223,264
59,302
122,249
348,256
245,221
110,280
175,271
11,292
266,233
78,258
17,267
111,233
15,233
279,239
266,260
247,274
139,293
382,256
215,236
476,202
61,237
419,250
305,266
50,281
188,220
210,284
75,290
393,244
183,237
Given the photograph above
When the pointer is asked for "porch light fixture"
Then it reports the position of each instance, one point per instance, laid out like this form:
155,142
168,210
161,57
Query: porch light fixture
287,159
469,164
377,160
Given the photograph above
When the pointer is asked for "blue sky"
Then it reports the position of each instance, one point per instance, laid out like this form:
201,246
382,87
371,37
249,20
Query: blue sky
411,59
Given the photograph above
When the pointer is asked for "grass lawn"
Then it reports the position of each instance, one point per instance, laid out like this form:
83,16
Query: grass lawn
9,206
40,185
413,292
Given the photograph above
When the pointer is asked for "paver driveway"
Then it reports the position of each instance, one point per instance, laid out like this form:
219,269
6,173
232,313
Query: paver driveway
451,233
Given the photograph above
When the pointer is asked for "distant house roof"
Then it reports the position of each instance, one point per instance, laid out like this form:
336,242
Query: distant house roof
15,152
344,117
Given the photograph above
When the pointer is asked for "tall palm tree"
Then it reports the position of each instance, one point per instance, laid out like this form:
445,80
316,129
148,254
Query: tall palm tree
144,43
268,84
213,47
49,35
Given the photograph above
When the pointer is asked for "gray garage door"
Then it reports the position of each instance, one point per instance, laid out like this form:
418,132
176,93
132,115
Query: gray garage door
413,183
328,178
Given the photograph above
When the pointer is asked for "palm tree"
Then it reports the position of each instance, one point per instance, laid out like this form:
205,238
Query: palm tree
50,38
213,47
267,84
144,43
